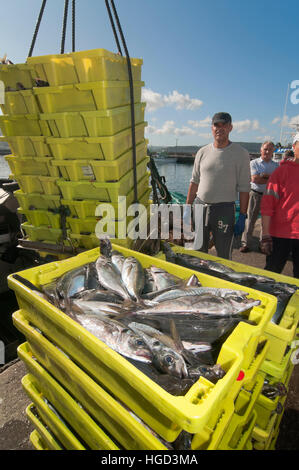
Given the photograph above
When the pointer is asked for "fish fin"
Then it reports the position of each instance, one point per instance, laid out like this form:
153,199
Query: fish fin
175,335
193,281
105,247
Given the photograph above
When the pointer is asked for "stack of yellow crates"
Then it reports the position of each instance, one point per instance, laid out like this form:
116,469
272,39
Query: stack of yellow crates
260,412
71,141
99,400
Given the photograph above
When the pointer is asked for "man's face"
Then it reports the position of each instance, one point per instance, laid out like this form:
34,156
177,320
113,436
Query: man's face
267,152
296,149
221,130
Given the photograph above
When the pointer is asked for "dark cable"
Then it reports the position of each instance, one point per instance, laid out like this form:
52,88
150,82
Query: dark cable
66,6
74,25
37,27
132,100
113,27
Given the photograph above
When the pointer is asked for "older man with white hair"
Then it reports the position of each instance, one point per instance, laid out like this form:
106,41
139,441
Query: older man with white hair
260,169
280,215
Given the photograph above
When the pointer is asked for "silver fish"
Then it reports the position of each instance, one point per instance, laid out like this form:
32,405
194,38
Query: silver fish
109,277
181,292
193,347
163,279
118,337
117,259
205,304
132,275
99,295
96,307
72,282
211,373
165,359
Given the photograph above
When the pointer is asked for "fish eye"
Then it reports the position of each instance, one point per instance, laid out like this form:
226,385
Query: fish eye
169,359
156,343
204,369
140,342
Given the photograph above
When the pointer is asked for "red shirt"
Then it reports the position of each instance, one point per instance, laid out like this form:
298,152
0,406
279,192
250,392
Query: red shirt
281,201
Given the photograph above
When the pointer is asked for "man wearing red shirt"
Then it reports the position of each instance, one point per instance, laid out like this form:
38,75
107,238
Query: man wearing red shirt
280,215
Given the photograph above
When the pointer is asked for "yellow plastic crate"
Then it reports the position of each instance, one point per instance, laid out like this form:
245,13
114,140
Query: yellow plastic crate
95,148
20,102
83,66
114,228
55,424
266,407
46,435
31,146
99,170
244,441
99,405
70,410
244,406
235,409
42,233
88,242
263,437
100,64
87,208
37,201
56,69
164,413
21,124
29,183
91,123
277,369
37,441
41,217
106,192
49,185
31,166
90,96
280,335
12,74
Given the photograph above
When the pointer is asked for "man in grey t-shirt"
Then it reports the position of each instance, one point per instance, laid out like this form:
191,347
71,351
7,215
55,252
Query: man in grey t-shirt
221,172
261,169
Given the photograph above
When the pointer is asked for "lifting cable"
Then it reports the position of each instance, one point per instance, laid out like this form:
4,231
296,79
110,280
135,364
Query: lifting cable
37,27
66,6
73,26
131,90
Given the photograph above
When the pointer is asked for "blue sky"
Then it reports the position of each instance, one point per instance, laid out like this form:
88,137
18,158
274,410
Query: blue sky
199,57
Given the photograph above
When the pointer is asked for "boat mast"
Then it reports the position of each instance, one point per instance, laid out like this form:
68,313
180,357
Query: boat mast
284,113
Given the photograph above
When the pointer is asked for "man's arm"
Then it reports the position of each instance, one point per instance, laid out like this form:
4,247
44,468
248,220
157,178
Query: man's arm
244,199
192,193
262,178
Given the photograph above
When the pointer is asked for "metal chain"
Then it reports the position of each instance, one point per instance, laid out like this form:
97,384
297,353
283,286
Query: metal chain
37,27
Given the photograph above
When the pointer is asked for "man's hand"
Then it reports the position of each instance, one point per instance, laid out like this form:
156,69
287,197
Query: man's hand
266,245
240,224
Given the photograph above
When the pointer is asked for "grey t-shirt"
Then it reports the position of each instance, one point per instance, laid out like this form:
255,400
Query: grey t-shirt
221,173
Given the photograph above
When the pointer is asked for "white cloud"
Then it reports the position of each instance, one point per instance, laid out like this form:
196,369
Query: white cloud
246,125
206,135
153,100
294,121
203,123
169,128
264,138
276,120
174,99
